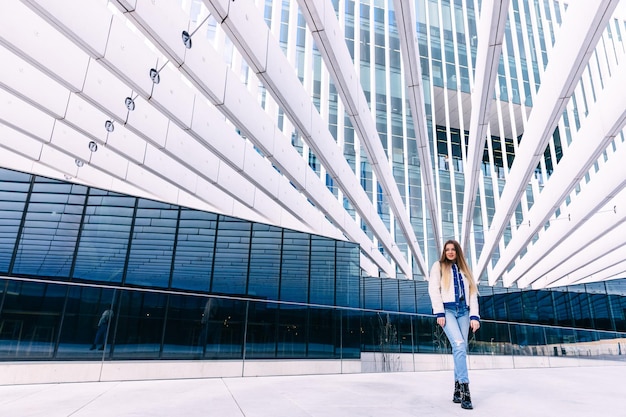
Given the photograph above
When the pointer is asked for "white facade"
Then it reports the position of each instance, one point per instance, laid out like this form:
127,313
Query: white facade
394,124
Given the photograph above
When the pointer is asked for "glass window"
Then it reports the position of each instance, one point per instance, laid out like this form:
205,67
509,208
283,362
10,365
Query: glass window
139,325
51,226
348,274
262,330
14,188
322,286
152,245
294,281
103,241
265,261
372,293
193,261
30,320
86,323
231,256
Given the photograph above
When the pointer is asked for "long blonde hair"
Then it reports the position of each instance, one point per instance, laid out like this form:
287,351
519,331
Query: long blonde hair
446,267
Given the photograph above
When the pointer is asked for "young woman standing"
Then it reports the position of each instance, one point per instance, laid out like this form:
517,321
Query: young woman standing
454,298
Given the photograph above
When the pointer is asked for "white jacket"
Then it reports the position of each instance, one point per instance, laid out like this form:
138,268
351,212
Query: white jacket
439,295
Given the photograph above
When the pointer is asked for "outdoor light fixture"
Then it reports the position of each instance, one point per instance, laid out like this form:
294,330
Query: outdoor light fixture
130,103
186,36
108,125
79,163
186,39
154,76
93,146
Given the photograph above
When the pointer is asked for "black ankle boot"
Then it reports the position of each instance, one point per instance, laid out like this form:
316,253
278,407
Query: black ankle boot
466,399
456,397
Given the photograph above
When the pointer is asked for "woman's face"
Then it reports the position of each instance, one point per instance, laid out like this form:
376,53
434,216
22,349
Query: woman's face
450,252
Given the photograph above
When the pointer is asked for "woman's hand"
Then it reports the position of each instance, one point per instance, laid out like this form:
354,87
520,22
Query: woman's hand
441,321
475,325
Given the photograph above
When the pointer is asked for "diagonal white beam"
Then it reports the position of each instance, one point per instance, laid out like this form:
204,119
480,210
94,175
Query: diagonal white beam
406,23
249,33
609,267
582,27
493,16
607,117
328,35
571,233
605,263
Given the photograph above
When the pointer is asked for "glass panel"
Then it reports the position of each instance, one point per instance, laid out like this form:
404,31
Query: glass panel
30,320
264,261
349,334
322,287
14,188
139,325
103,241
493,338
232,250
372,293
407,296
50,230
292,330
294,281
348,273
86,326
193,262
151,249
186,327
226,331
262,330
390,294
322,333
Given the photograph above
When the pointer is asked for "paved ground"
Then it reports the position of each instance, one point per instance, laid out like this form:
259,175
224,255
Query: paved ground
579,391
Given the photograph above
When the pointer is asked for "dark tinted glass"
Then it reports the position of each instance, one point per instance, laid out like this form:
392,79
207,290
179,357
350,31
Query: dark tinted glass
50,230
232,251
195,243
264,261
322,278
13,193
152,244
294,283
103,242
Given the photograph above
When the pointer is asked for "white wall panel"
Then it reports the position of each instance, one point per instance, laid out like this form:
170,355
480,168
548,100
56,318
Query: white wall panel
89,20
233,181
86,117
127,53
210,125
128,143
110,161
70,141
20,143
183,146
260,170
138,176
30,83
204,66
16,112
169,169
165,20
104,89
31,36
148,122
243,25
174,96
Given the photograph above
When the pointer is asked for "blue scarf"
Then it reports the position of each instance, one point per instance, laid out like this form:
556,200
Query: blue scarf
459,287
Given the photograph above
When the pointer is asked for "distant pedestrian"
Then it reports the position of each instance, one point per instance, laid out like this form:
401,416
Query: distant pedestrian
103,326
454,297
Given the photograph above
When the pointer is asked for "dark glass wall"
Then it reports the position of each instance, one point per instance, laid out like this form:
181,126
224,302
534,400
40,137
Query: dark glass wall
87,274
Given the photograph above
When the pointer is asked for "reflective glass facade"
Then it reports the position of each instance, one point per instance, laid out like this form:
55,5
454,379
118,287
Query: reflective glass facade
177,283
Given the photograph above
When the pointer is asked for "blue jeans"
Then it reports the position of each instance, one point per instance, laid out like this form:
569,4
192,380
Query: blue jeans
457,329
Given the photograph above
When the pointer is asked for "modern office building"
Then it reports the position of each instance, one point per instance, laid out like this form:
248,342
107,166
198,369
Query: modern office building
234,181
